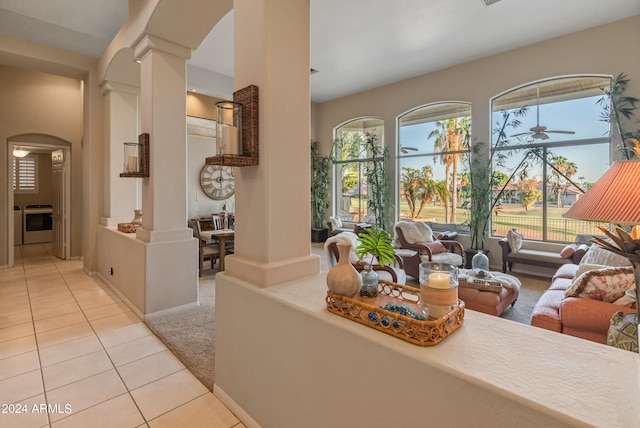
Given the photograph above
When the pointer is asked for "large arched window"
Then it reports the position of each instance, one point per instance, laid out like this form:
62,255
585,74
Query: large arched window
353,156
433,146
559,148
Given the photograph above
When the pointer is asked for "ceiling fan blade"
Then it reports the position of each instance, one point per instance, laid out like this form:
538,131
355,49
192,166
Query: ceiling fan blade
521,134
561,132
405,150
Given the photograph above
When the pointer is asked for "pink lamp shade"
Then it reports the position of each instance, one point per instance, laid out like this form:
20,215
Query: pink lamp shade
614,198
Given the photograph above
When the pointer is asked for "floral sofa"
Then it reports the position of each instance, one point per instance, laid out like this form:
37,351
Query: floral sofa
583,297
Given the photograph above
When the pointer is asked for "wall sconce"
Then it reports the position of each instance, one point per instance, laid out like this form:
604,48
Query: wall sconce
19,152
136,158
247,130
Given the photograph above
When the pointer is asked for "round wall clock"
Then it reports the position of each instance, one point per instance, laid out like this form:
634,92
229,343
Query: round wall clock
217,181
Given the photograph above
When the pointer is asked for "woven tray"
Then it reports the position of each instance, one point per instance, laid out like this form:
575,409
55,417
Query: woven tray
369,311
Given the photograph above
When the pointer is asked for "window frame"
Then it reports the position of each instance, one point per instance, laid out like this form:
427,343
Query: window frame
547,148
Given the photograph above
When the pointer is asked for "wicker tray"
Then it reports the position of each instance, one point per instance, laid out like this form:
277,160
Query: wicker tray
370,312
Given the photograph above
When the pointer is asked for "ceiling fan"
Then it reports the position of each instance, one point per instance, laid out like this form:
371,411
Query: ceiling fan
404,150
540,132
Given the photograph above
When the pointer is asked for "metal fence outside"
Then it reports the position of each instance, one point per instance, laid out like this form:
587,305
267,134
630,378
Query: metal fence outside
558,229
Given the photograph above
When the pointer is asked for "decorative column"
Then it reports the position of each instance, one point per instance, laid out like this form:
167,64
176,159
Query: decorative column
122,195
273,225
171,252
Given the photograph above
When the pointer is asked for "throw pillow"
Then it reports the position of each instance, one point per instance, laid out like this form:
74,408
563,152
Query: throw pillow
608,284
436,247
568,251
336,222
515,240
599,256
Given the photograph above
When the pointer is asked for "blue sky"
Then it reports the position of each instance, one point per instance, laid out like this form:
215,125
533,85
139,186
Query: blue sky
581,116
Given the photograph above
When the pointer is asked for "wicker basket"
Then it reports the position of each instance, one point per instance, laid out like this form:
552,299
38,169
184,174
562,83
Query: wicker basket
371,312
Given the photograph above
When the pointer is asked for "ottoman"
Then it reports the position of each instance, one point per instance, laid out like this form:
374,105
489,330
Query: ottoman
491,295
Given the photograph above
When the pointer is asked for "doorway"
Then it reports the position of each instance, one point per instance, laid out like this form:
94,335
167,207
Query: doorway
50,163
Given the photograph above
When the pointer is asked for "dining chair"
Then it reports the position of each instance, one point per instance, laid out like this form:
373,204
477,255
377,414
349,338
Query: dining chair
206,251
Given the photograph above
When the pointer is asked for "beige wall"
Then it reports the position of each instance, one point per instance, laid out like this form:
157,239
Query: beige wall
601,50
38,103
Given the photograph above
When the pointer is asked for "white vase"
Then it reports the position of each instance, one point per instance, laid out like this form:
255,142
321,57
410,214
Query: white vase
343,278
137,217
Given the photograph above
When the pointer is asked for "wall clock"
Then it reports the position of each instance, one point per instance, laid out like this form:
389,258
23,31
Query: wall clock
217,181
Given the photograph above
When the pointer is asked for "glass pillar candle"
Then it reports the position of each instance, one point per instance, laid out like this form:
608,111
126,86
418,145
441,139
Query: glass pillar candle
229,132
438,288
131,157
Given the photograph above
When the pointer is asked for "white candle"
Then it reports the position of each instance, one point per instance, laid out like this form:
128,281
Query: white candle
132,164
230,139
439,280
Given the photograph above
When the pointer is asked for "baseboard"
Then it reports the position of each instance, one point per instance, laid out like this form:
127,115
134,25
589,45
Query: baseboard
171,310
244,417
122,297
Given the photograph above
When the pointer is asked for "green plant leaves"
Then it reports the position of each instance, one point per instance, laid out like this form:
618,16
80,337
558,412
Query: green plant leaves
376,242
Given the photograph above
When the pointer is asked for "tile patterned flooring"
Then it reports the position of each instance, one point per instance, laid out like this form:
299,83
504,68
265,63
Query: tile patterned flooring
73,355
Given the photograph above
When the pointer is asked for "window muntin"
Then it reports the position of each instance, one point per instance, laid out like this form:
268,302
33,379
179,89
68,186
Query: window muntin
537,197
433,145
25,174
350,160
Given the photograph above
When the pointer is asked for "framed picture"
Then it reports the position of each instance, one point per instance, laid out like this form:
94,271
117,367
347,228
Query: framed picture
199,127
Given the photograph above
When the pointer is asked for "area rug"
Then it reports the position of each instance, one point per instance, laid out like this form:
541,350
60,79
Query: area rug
189,334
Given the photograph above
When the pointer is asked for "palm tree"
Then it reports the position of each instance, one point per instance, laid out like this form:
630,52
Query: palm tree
562,172
410,184
431,190
452,137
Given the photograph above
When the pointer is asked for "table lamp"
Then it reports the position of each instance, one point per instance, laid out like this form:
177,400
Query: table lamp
615,198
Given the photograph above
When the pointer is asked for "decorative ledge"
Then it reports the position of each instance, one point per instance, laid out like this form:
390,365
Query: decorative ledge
248,97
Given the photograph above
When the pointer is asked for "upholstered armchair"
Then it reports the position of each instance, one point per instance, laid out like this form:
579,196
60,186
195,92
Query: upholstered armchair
417,236
393,273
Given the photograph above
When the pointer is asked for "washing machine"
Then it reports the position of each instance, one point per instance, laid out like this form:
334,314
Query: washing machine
17,225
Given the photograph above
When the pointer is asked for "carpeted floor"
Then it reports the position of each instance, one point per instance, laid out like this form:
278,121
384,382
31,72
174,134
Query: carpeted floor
189,334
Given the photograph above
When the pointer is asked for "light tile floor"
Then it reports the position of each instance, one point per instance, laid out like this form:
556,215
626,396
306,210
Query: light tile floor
73,355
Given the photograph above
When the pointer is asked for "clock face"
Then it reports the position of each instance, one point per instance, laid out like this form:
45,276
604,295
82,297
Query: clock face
217,181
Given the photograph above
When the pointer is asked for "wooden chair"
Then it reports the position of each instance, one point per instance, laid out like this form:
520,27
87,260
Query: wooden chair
427,248
219,224
206,251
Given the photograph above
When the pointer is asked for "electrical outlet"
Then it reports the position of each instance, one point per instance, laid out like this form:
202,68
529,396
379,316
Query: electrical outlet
110,271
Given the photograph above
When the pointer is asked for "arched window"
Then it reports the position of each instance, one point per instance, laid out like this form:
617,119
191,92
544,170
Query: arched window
433,146
357,145
558,147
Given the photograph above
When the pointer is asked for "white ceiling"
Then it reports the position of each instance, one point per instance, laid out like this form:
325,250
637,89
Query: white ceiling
355,44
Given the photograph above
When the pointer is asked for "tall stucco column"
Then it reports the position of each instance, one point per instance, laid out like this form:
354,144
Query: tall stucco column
273,225
121,195
171,253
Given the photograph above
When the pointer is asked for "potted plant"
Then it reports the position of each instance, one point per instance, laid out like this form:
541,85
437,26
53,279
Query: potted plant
376,178
320,188
483,179
374,242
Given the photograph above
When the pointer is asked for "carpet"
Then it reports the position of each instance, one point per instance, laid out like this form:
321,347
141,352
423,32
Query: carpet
190,334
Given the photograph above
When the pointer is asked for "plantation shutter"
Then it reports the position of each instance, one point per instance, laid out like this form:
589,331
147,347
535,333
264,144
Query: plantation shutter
24,174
